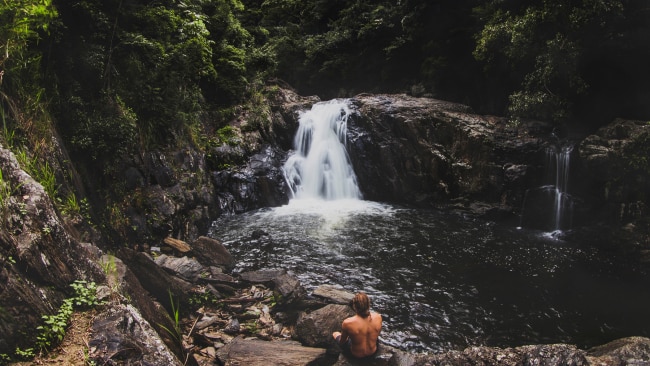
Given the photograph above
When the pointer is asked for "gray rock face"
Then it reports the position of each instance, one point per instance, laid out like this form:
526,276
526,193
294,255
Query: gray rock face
615,172
253,352
121,336
39,259
424,151
260,183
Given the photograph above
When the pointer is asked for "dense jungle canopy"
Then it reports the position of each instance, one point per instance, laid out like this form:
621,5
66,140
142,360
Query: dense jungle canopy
118,74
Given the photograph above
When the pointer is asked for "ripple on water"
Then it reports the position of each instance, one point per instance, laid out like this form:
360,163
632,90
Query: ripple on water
444,282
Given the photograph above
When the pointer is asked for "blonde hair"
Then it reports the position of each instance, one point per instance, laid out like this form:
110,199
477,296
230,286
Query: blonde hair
361,304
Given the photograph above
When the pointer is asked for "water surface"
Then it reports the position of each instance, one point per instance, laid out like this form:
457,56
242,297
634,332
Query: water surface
443,281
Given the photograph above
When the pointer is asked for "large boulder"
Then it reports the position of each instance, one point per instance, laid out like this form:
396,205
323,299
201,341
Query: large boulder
254,352
425,151
121,336
211,252
315,328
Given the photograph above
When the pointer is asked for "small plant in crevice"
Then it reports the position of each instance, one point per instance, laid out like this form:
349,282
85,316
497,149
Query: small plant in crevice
54,328
199,299
176,332
25,354
5,191
85,294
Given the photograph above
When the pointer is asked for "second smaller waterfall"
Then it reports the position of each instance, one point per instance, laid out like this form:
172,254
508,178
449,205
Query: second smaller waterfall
550,206
558,165
320,166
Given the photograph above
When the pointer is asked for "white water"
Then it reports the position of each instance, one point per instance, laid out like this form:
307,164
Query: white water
558,164
320,166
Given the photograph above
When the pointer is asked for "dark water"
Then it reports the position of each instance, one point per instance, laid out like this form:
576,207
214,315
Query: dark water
444,282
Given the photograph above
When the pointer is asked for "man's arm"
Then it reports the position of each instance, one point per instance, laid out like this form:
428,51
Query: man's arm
345,335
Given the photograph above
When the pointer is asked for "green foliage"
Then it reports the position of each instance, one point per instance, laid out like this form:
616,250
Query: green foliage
5,193
8,134
55,325
105,131
227,135
40,170
25,354
71,205
21,22
85,294
168,63
203,299
544,42
175,313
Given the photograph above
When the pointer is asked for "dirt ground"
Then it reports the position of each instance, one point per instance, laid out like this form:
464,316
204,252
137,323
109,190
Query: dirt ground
73,350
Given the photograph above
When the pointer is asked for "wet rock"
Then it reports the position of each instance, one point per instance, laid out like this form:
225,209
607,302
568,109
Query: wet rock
263,276
385,356
211,252
426,152
159,169
187,268
624,351
333,294
260,183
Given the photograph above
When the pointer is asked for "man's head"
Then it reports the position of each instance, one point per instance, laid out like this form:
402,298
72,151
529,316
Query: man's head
361,304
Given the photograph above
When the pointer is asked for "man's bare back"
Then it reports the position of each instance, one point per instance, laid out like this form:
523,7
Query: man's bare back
361,331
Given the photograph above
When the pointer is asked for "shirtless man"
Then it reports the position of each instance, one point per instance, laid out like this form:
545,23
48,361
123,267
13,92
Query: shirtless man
360,332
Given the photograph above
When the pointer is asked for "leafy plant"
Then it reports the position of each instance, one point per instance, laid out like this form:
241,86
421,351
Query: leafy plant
55,325
41,171
203,298
85,294
175,314
25,354
70,206
7,133
5,191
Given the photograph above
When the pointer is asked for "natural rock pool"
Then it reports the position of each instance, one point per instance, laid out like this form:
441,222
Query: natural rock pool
443,281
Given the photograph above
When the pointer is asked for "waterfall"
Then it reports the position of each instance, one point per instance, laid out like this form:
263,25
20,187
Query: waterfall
558,170
550,206
320,166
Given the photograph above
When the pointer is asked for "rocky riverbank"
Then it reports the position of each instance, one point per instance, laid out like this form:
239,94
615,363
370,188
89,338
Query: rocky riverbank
266,317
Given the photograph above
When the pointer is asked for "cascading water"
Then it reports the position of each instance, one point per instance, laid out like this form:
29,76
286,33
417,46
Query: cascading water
558,162
550,206
320,167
